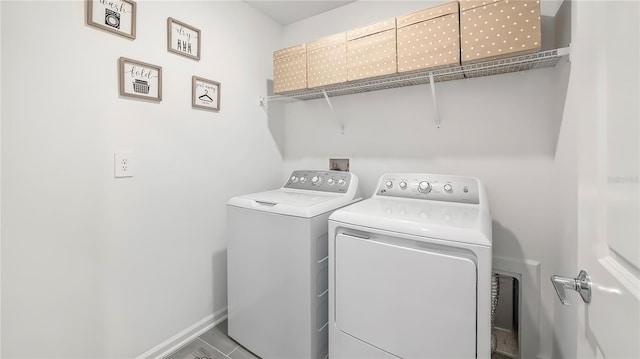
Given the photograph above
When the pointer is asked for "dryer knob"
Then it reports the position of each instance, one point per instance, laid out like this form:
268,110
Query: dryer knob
424,187
389,184
341,182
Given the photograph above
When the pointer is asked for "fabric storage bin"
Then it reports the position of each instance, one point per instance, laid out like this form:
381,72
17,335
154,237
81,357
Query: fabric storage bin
496,29
429,39
371,50
327,61
290,69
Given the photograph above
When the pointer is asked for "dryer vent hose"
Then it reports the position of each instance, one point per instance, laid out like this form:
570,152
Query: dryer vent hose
495,291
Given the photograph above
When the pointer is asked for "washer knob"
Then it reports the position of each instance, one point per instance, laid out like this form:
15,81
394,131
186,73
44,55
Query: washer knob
403,185
424,187
303,179
330,181
316,180
341,182
294,179
448,188
388,184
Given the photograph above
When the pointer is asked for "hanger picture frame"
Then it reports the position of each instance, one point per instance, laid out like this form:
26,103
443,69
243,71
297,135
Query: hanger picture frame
205,94
139,79
183,39
115,16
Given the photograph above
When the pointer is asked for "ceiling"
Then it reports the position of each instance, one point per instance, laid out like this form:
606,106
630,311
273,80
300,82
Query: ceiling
287,12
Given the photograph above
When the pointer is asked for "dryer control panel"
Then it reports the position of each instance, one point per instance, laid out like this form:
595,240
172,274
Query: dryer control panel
325,181
430,187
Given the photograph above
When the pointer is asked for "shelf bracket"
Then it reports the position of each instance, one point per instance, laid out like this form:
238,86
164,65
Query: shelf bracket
263,102
326,97
433,96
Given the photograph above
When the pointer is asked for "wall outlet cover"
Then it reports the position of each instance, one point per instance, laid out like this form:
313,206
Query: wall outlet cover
122,165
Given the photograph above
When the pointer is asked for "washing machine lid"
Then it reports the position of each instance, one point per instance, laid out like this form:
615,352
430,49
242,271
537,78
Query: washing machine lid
458,222
290,202
307,193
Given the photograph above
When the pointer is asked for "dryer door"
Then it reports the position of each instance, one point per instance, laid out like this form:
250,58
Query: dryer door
408,298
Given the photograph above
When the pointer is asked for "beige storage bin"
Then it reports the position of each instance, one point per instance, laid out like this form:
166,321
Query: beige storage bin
371,51
429,39
496,29
327,61
290,69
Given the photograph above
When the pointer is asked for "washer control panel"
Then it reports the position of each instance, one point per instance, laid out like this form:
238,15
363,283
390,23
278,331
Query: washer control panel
326,181
427,186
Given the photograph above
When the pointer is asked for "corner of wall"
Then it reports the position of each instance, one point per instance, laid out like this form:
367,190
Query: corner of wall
187,335
1,52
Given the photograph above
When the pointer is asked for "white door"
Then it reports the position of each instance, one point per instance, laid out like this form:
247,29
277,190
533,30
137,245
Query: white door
606,45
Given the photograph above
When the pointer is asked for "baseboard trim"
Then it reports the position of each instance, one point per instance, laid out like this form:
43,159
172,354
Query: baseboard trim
179,340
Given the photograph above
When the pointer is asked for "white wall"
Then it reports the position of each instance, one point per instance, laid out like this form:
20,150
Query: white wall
504,130
0,193
94,266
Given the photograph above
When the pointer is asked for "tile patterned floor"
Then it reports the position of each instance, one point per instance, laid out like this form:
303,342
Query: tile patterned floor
507,344
213,344
216,344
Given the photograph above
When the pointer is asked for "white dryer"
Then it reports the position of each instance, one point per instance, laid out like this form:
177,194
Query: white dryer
277,259
410,271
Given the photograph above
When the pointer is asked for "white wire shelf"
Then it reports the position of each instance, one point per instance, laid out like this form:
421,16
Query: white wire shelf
513,64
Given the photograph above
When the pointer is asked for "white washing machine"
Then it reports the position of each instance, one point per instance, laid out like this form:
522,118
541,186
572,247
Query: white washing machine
410,271
277,259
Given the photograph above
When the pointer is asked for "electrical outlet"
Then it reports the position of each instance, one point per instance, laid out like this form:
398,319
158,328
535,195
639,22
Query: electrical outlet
122,164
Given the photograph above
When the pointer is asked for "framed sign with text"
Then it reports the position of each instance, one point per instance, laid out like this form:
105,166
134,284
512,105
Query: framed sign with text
183,39
116,16
140,80
205,94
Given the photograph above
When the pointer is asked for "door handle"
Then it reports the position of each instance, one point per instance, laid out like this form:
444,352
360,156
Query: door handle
581,284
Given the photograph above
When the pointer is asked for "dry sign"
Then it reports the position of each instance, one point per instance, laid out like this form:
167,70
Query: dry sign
183,39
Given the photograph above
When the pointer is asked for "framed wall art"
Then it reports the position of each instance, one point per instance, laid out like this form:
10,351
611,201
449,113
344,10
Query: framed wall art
183,39
205,94
139,79
116,16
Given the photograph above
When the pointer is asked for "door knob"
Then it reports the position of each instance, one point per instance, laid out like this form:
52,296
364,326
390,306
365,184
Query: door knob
581,284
